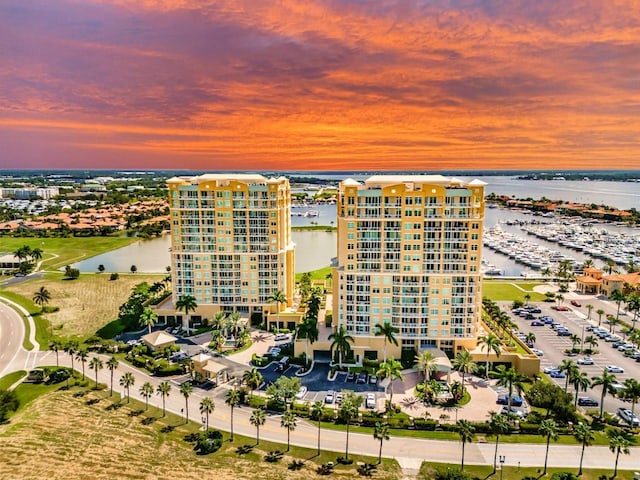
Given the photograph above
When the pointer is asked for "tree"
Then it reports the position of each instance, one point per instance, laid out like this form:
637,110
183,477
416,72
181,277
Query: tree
288,421
580,381
146,391
148,318
426,363
71,347
308,329
41,297
164,390
258,419
600,312
465,430
633,305
618,443
585,435
570,368
591,340
548,428
127,380
96,364
589,308
388,332
186,304
112,364
36,254
527,298
489,343
348,410
530,338
391,369
341,343
499,426
207,406
465,364
101,268
134,269
316,413
278,298
253,379
631,392
509,378
186,389
618,296
381,432
232,399
606,380
82,356
55,345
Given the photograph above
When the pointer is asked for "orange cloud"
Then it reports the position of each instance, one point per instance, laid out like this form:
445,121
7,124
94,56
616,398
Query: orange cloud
320,85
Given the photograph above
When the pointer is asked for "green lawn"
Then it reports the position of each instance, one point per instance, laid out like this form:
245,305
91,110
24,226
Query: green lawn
485,472
59,252
320,274
8,380
508,291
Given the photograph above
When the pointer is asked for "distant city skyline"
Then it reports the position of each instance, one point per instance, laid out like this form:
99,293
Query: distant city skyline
322,85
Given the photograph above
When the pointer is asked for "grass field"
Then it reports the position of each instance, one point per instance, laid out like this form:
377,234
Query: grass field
59,252
70,434
319,274
510,291
86,304
8,380
485,472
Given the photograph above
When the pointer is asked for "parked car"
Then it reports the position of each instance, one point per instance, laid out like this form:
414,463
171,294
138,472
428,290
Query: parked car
370,401
516,401
373,379
537,352
614,369
537,323
339,398
576,303
513,411
587,402
563,332
549,369
557,374
560,308
362,377
585,361
628,416
329,397
301,393
535,310
281,336
351,376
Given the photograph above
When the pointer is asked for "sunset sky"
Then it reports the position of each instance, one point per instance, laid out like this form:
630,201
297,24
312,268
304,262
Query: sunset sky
320,85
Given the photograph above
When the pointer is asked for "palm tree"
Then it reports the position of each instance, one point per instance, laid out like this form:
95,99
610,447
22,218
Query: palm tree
133,269
570,368
341,343
510,378
349,409
546,272
580,381
148,318
127,381
575,340
232,399
71,347
186,303
278,298
631,392
316,413
560,298
55,345
548,428
530,338
381,432
633,305
426,363
618,443
308,329
288,421
618,296
164,390
606,380
186,389
146,390
207,406
465,430
258,419
600,312
591,340
527,297
589,308
489,343
585,435
96,364
36,254
464,363
253,378
41,297
499,426
82,357
112,364
391,369
388,331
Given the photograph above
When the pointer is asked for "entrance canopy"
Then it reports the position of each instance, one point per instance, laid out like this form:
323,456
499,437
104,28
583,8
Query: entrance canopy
443,364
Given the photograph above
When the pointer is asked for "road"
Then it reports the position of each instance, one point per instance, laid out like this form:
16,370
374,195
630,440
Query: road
13,356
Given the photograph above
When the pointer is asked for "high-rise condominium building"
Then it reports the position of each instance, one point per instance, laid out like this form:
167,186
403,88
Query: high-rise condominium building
409,254
231,242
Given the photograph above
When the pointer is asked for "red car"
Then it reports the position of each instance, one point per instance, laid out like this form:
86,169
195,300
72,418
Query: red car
560,308
576,303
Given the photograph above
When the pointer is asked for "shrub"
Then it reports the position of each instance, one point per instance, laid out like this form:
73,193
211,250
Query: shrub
169,370
114,276
208,442
564,476
450,474
8,403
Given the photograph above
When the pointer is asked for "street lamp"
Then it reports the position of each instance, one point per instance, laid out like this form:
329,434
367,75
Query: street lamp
502,459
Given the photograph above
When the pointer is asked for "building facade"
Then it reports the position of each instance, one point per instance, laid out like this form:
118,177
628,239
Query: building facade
231,244
409,254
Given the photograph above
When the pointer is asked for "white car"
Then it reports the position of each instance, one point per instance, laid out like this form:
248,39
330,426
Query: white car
329,397
628,416
280,337
550,369
538,352
301,393
585,361
614,369
370,401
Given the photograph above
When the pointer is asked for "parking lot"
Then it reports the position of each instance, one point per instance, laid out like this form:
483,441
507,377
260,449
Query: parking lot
553,347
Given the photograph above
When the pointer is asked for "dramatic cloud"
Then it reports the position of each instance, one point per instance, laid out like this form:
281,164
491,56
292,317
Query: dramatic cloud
328,84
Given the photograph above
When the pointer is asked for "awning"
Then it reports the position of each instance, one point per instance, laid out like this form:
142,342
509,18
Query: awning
443,364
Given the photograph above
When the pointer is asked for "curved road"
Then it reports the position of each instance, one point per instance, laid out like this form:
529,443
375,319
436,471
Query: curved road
409,452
